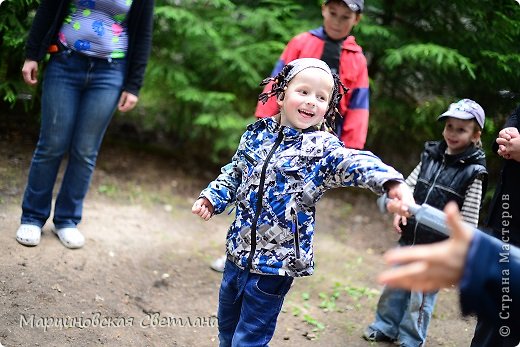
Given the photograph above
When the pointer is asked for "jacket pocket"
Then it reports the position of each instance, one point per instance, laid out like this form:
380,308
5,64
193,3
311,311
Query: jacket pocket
249,160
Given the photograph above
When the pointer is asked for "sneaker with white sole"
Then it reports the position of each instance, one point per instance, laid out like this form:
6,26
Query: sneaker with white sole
218,264
28,234
70,237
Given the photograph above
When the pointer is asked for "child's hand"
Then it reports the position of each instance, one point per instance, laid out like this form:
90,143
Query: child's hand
397,219
203,208
401,196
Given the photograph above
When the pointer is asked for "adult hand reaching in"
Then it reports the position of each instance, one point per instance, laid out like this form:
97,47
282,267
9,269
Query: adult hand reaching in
433,266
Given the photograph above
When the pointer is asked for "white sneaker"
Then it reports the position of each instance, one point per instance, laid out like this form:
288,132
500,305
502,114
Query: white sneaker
219,264
70,237
28,234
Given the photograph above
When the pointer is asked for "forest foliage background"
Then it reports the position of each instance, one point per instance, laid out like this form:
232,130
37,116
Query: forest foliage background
209,56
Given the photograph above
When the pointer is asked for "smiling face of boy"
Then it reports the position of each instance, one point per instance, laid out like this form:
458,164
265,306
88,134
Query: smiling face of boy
338,19
306,99
459,134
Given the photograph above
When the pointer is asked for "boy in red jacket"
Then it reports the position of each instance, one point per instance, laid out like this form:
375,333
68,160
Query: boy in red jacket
333,44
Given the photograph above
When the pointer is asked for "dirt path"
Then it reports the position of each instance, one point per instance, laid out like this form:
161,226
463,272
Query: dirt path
143,279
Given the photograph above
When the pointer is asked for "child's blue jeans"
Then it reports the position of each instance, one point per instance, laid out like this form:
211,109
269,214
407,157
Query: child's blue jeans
249,305
404,315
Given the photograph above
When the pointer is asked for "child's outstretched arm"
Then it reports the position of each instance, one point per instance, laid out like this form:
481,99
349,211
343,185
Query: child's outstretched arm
203,208
342,167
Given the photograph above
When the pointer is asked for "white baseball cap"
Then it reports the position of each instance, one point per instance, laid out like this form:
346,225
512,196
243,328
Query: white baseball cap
465,109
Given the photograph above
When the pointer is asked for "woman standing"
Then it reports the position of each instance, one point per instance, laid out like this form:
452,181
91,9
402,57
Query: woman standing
99,52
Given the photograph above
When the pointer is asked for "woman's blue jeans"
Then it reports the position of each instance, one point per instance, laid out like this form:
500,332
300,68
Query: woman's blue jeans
79,97
404,315
249,305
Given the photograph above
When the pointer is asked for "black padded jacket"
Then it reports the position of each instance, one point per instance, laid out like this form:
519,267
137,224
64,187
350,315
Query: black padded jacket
443,178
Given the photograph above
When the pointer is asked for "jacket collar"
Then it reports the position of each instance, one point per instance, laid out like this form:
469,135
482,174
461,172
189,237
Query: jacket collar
472,155
349,43
272,125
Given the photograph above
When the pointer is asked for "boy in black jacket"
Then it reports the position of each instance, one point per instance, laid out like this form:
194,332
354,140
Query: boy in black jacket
453,169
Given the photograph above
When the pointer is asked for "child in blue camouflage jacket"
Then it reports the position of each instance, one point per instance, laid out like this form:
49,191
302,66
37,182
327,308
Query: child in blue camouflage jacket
282,167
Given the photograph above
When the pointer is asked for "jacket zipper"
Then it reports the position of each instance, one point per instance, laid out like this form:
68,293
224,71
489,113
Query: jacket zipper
428,195
259,198
295,233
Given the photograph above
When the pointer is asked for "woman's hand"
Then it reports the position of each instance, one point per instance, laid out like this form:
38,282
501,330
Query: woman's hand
30,72
127,101
508,141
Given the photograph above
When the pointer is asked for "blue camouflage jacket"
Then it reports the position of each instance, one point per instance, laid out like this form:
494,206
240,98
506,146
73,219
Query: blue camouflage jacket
275,179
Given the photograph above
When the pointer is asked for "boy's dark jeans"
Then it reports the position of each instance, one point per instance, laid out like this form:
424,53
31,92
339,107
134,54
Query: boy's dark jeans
249,305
